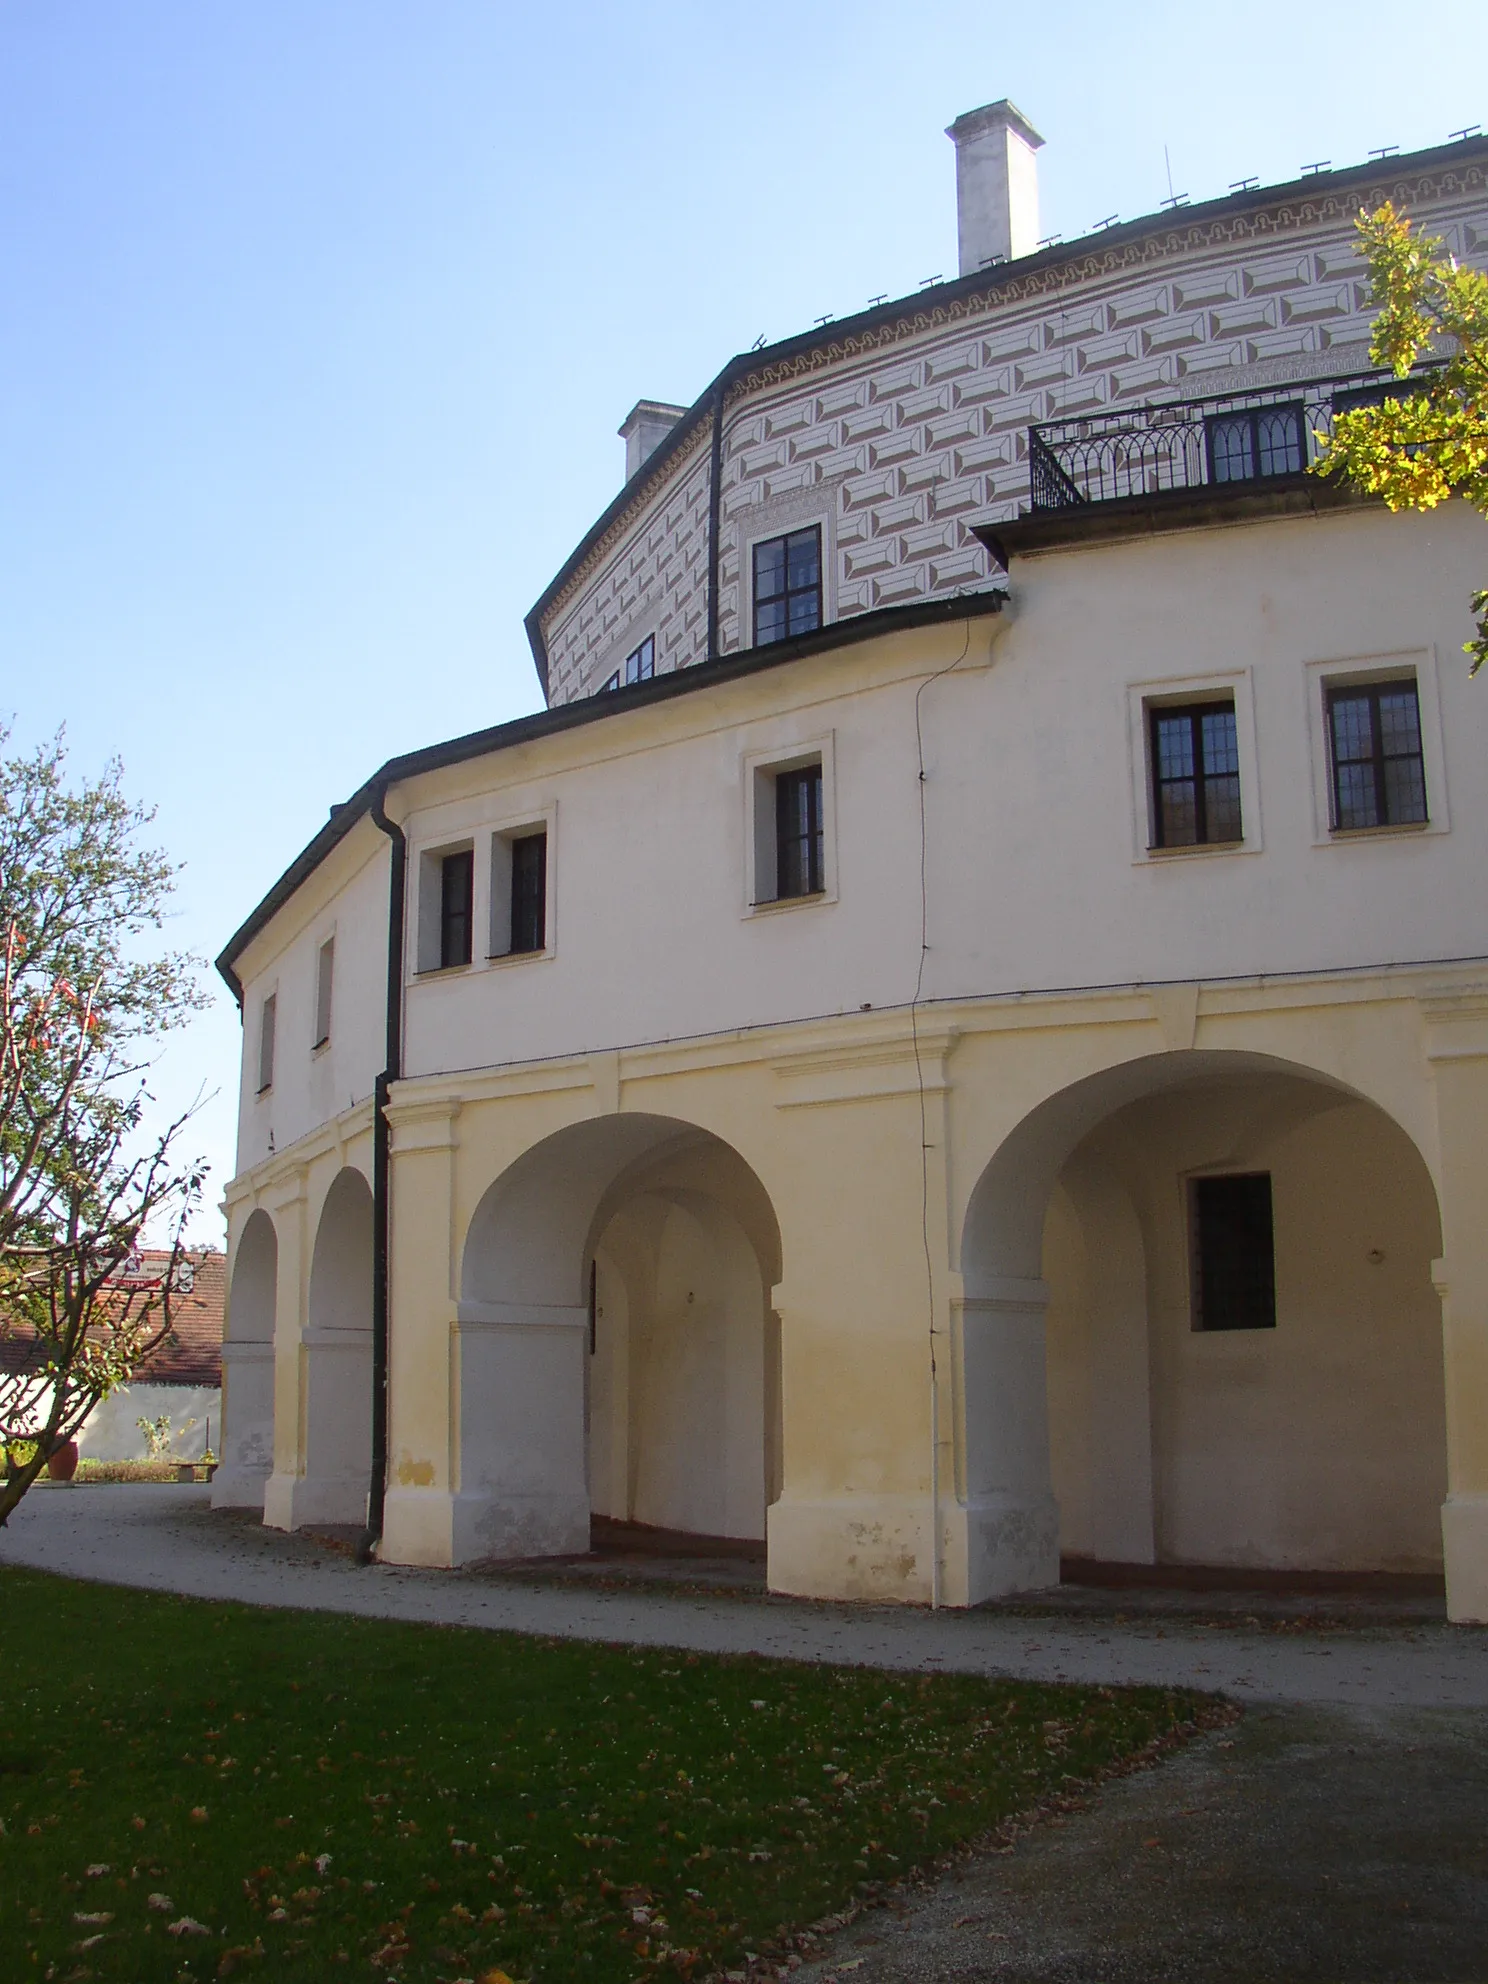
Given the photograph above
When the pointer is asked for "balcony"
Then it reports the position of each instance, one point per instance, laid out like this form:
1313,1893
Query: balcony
1229,445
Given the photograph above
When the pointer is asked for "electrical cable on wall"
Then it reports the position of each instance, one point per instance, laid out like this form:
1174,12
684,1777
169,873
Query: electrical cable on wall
914,1032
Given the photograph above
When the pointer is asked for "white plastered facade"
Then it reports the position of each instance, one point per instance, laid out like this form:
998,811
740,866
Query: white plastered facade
681,1207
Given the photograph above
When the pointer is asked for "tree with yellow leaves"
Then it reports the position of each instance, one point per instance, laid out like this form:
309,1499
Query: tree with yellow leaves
1419,448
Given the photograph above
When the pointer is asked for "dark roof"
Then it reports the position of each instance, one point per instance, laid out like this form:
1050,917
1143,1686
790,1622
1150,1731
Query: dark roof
571,716
193,1353
984,282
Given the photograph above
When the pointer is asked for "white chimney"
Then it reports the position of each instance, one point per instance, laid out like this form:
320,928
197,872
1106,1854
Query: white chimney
644,429
997,215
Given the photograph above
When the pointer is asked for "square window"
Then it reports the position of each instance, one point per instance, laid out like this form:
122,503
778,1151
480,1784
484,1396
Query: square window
640,663
266,1023
1232,1256
325,967
787,585
1195,755
1374,744
1250,445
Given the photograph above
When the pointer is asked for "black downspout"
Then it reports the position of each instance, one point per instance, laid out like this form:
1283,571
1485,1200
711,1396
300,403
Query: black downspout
381,1179
715,502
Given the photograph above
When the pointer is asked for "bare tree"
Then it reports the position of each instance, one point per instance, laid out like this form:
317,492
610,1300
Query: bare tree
82,1006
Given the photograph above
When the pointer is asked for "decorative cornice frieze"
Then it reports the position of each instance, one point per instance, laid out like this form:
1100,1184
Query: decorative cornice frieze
673,469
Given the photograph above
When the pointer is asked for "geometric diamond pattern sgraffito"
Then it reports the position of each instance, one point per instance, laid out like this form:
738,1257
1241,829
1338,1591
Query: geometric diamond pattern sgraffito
905,437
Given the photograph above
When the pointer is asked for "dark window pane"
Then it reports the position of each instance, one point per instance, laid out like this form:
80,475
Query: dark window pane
457,877
1357,805
1175,747
1234,1270
769,568
1222,809
1279,434
1230,448
803,613
787,585
1179,821
1405,792
529,879
640,664
804,559
1220,743
769,621
1379,778
798,832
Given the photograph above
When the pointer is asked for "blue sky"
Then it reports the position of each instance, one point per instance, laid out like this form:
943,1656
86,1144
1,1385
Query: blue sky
317,322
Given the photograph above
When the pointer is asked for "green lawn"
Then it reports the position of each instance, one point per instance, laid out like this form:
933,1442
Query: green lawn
424,1802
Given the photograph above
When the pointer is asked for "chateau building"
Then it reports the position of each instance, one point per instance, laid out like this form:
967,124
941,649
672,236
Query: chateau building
959,1037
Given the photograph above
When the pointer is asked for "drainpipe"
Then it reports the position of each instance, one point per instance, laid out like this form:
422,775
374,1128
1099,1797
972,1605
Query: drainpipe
381,1178
715,496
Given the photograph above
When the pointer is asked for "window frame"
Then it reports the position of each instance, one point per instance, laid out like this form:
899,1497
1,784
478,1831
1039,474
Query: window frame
1266,1313
643,654
268,1027
325,991
1358,671
1234,685
458,917
1200,778
502,837
1254,416
760,770
783,538
1379,758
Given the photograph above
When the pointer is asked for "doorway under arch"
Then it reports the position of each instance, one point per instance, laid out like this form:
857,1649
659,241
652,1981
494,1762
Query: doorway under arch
336,1360
1176,1426
618,1352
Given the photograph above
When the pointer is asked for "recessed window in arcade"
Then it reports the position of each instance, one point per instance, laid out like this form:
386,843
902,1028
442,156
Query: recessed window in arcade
1231,1255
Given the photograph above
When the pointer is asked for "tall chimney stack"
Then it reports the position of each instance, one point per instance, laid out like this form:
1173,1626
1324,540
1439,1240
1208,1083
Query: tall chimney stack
996,185
644,429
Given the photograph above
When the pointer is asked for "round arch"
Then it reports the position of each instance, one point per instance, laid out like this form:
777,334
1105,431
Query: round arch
618,1354
248,1368
1109,1386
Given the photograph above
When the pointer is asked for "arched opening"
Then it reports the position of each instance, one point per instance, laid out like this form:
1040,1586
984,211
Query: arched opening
247,1435
336,1360
1229,1259
618,1353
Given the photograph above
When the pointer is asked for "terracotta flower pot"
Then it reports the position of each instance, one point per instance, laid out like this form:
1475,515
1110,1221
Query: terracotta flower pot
62,1461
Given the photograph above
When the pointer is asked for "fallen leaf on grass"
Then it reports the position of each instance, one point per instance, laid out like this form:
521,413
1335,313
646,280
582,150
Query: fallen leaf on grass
93,1921
86,1944
187,1925
199,1813
161,1903
97,1870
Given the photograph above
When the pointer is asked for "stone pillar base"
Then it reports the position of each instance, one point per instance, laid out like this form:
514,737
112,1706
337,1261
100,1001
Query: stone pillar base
432,1526
291,1501
1465,1549
996,1546
238,1487
876,1549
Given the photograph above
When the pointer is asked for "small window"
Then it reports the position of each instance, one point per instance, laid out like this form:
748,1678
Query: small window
612,683
266,1043
456,893
1245,447
1374,737
799,839
324,974
787,585
1232,1257
529,893
640,663
1195,775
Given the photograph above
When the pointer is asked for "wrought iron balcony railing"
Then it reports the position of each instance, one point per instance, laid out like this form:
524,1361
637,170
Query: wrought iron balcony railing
1192,444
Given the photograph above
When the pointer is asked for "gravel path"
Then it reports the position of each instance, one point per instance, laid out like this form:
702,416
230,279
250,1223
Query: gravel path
168,1538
